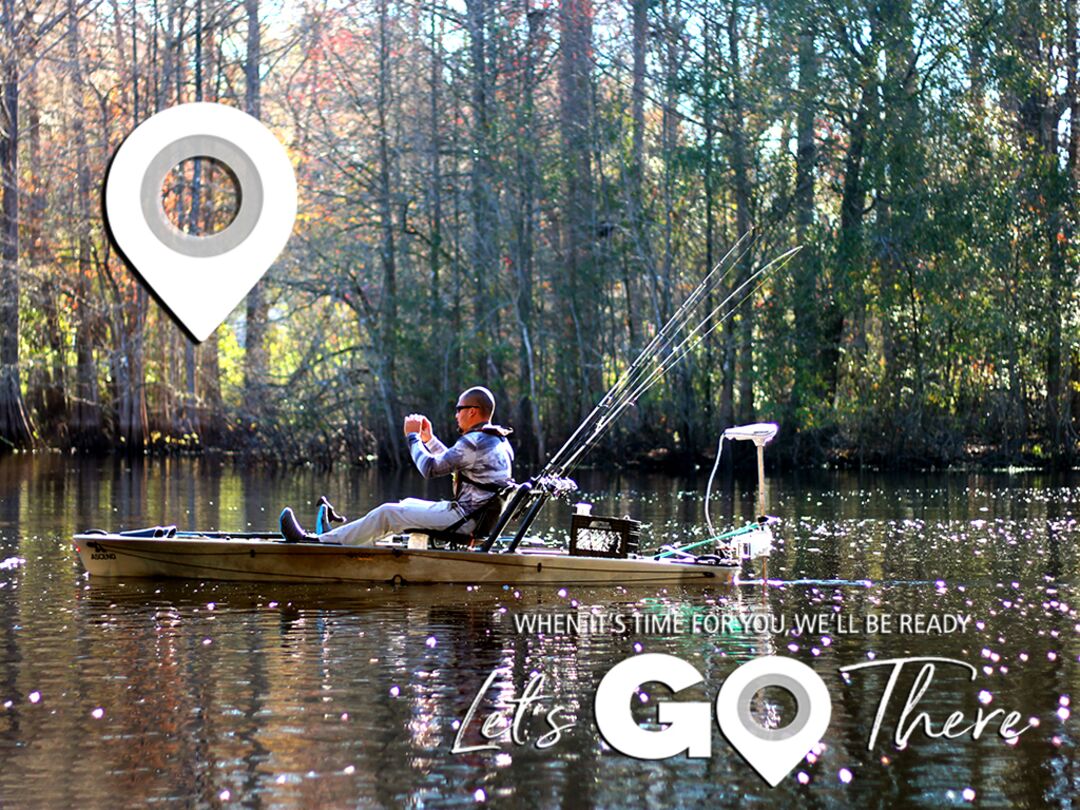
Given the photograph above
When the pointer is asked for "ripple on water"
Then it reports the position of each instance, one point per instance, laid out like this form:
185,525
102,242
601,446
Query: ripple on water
207,693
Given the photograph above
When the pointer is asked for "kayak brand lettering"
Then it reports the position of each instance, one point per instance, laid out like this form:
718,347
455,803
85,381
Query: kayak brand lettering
100,552
681,726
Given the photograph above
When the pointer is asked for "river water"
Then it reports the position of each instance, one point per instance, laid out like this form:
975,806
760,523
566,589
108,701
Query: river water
187,693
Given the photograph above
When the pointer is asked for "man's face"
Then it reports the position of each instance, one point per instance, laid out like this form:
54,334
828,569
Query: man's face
466,414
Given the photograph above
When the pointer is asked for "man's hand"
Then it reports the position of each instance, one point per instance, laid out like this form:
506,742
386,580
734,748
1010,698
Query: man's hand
418,423
414,423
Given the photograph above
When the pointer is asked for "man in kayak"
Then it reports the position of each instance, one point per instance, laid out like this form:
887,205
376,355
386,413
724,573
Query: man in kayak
480,460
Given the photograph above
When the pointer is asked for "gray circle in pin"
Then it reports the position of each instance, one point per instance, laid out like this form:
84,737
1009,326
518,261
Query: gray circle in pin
249,186
802,711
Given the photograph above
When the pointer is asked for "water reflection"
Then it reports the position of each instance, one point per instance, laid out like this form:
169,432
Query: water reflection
124,693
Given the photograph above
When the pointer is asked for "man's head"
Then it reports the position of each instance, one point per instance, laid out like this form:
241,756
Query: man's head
474,406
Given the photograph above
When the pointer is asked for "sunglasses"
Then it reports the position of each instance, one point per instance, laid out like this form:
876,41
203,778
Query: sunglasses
461,408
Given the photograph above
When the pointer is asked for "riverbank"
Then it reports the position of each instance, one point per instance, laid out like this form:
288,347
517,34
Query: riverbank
786,453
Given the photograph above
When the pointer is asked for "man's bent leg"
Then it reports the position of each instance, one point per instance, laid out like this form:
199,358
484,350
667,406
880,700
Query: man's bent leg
391,518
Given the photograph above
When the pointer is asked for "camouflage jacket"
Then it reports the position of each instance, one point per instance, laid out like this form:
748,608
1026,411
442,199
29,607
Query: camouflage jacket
482,455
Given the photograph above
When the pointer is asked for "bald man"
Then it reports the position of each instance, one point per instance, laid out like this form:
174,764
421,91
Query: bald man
481,460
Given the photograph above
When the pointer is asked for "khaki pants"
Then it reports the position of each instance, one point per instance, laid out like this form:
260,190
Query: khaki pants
392,518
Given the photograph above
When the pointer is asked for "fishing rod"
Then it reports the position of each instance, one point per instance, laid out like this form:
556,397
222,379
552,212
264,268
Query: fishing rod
684,347
688,344
635,381
553,482
547,483
660,340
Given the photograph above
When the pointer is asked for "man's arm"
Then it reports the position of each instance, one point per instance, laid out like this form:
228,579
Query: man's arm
418,423
439,460
430,440
433,445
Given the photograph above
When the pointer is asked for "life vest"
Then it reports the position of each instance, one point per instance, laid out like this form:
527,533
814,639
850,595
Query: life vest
459,478
486,513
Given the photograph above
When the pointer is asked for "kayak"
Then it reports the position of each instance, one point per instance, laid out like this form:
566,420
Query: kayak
266,557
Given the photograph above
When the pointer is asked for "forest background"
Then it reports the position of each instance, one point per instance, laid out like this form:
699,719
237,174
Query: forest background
515,192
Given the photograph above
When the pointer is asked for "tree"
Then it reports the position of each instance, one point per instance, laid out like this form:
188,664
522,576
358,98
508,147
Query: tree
579,228
15,428
255,355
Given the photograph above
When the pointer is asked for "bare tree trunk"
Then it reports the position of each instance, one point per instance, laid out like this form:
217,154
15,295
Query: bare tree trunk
669,138
87,417
207,356
178,421
1039,111
126,302
454,358
1071,403
849,328
388,300
129,318
899,217
807,312
51,405
639,219
255,353
196,223
532,442
741,169
14,422
435,299
637,98
134,425
483,203
709,112
681,383
579,229
211,423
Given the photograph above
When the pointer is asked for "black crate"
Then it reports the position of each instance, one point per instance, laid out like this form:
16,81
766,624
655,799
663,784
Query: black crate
599,536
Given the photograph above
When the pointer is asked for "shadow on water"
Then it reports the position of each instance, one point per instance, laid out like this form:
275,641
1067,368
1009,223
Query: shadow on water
123,693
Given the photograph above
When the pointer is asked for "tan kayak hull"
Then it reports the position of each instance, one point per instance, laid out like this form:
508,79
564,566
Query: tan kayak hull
275,561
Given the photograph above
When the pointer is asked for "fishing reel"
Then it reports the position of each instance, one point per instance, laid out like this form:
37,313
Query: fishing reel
555,486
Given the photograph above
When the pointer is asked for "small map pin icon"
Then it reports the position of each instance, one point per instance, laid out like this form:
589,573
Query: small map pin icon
201,279
773,752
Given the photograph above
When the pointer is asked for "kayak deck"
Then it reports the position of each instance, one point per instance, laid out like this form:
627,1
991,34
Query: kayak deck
264,557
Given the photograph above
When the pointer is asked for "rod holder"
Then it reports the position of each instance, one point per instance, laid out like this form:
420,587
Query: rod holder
507,515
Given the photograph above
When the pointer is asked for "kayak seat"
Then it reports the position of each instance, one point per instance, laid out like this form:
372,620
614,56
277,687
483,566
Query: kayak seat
444,538
484,521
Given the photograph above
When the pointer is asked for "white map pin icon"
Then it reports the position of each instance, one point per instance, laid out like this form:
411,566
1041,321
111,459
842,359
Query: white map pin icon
773,752
201,279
